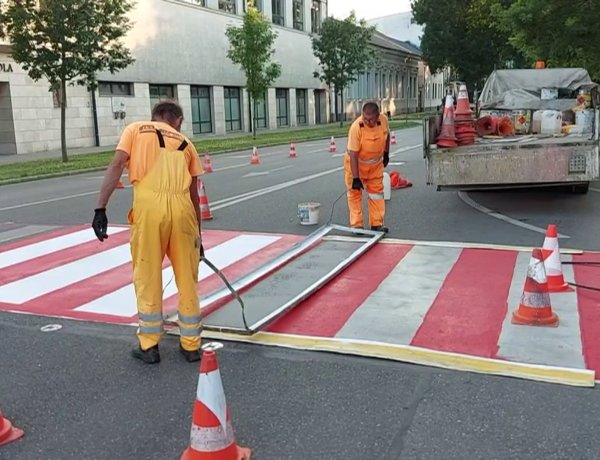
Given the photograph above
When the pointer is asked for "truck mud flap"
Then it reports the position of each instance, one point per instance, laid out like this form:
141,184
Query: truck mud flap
281,284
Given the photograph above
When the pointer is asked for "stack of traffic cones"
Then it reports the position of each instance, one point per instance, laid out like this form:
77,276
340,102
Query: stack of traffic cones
553,264
447,137
204,207
207,166
8,433
332,147
535,308
254,160
292,150
393,139
463,118
212,436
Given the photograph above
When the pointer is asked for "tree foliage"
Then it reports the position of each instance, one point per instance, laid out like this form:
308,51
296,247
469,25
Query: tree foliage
344,51
67,41
465,36
251,47
561,33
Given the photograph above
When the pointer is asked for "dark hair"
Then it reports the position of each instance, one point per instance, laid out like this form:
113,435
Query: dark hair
371,108
167,110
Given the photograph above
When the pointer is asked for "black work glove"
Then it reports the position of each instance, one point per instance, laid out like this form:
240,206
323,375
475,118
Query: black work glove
201,251
100,223
386,158
357,184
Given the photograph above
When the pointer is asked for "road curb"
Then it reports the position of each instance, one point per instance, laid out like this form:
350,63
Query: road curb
416,355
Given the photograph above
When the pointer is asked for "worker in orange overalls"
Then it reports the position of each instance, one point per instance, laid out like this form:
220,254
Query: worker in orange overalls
165,220
367,154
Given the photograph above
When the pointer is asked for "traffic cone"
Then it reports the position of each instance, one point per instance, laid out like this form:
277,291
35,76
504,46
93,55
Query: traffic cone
553,265
398,182
447,137
255,159
207,166
463,110
535,308
332,147
393,139
120,185
292,150
212,436
8,433
204,207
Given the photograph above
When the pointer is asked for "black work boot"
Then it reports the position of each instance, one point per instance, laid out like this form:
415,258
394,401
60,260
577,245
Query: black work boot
149,356
190,356
380,228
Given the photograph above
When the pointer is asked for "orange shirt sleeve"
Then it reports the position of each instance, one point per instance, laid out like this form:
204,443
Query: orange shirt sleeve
386,124
194,165
354,137
126,141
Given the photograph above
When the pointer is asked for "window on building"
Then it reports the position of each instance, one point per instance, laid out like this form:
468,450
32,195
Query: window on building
201,110
315,16
160,93
260,112
278,12
233,109
282,106
228,6
111,88
301,106
298,14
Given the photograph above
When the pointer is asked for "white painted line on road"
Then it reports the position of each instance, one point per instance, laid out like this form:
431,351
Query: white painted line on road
224,168
597,190
256,193
52,200
469,201
392,154
264,173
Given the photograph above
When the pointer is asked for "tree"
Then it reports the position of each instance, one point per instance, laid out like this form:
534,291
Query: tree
67,42
561,33
251,47
344,51
465,36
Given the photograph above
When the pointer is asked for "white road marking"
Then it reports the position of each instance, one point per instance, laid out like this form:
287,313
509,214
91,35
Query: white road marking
264,173
42,248
469,201
597,190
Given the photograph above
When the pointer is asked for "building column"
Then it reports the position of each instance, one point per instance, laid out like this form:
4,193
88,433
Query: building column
306,18
184,97
293,117
219,109
267,10
212,4
288,14
310,106
272,108
246,120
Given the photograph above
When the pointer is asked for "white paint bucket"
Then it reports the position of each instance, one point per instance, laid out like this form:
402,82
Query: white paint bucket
387,186
308,213
585,120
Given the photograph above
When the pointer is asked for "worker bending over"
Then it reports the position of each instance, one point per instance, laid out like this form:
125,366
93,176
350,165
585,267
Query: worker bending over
367,154
165,219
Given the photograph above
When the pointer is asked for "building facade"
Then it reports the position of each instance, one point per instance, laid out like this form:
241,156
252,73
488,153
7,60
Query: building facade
180,52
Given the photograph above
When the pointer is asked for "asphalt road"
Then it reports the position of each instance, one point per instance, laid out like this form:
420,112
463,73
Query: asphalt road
78,394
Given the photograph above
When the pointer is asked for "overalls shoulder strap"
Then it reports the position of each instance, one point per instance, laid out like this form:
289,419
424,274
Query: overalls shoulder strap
161,141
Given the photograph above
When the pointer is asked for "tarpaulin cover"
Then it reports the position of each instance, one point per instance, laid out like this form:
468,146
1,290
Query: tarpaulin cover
520,89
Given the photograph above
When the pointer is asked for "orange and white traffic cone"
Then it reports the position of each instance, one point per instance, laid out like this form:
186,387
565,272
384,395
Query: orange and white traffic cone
212,436
120,185
447,137
332,147
292,150
254,160
207,164
8,433
535,308
553,264
204,207
393,139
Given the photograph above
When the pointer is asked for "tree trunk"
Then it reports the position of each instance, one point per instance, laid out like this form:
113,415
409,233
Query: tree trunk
63,126
335,103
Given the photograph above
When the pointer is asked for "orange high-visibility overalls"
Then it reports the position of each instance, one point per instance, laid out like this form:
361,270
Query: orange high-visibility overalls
370,144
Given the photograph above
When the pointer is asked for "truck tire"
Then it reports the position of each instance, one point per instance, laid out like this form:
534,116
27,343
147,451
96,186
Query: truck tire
580,189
